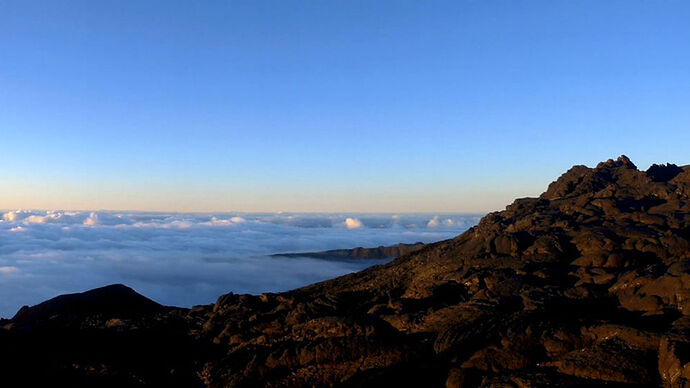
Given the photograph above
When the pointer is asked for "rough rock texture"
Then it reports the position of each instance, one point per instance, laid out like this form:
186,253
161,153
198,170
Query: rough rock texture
587,285
107,337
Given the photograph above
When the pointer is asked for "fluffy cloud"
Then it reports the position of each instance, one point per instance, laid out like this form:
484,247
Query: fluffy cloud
37,219
92,219
352,223
187,259
215,221
435,222
10,216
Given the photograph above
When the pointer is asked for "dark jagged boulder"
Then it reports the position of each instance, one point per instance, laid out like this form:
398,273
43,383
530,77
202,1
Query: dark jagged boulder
663,172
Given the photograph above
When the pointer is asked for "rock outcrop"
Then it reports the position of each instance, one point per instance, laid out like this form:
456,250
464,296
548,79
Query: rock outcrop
380,252
586,285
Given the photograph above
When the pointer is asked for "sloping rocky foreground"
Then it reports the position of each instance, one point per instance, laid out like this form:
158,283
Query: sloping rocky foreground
587,285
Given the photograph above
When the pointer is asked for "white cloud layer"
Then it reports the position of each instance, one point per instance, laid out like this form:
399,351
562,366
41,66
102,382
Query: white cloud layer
187,259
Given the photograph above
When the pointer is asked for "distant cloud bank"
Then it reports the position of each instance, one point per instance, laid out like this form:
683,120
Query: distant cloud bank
187,259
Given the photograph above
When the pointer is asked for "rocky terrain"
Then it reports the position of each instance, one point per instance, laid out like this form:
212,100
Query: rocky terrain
587,285
381,252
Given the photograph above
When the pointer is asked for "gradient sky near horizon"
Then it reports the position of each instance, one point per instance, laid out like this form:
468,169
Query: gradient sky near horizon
385,106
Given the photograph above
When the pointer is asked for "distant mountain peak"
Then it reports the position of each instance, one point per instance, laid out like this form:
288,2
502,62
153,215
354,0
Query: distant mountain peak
115,300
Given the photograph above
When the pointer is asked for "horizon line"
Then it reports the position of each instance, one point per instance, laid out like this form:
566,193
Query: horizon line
4,210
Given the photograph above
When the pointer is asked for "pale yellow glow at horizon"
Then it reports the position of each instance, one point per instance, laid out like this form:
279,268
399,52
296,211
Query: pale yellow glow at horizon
167,199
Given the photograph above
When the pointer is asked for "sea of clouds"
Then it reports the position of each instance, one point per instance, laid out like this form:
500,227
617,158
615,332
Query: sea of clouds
189,259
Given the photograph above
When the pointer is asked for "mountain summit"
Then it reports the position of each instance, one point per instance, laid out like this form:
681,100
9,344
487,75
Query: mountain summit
587,285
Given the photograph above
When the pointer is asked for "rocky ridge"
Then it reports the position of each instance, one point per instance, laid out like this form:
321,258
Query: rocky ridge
380,252
586,285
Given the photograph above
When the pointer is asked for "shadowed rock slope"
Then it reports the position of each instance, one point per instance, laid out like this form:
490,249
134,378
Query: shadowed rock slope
587,285
107,337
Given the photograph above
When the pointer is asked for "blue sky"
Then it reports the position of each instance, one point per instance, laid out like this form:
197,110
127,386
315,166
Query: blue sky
331,105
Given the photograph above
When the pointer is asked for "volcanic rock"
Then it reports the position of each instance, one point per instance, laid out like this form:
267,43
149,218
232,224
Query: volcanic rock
381,252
